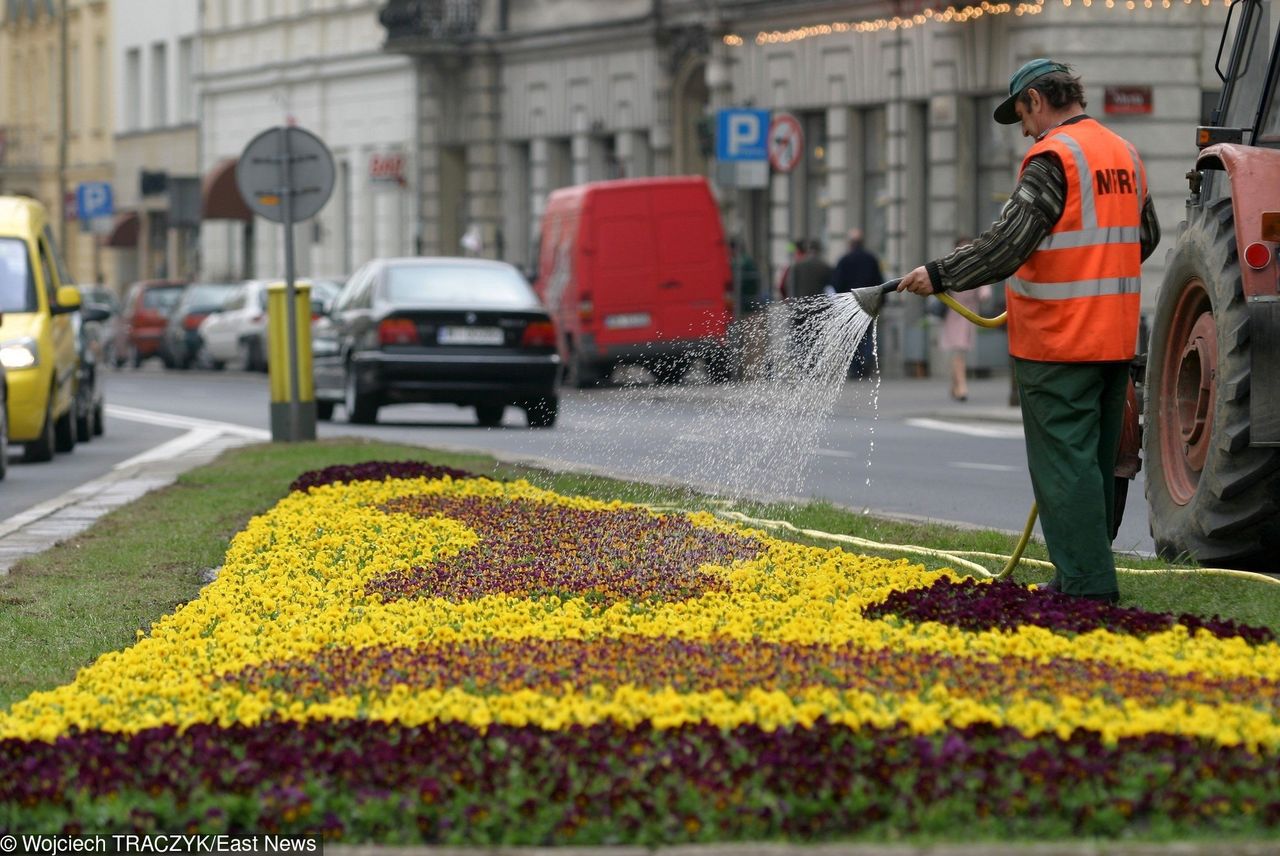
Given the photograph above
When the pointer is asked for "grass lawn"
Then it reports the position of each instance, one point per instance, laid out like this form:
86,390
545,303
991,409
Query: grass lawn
61,609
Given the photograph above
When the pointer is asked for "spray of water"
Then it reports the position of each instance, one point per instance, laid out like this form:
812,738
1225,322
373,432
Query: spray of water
753,437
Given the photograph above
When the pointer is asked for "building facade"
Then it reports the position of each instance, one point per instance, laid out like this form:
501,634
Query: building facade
157,181
317,64
55,115
894,101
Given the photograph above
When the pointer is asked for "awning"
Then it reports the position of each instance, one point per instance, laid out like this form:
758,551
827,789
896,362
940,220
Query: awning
124,230
220,198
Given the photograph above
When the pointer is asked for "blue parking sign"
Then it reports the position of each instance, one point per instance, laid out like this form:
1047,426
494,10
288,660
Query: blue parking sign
94,200
742,135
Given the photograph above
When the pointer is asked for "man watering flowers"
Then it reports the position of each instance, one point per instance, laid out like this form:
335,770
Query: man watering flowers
1071,242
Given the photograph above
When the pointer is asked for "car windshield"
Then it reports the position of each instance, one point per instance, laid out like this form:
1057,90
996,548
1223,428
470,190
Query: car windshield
17,285
458,285
206,296
162,299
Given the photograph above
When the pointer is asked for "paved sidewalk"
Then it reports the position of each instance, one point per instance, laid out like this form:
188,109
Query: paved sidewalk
40,527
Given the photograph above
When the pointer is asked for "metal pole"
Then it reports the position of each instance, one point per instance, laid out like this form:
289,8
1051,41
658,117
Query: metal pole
64,119
290,293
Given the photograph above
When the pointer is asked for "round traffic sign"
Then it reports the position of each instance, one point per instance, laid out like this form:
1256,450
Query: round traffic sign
285,161
786,142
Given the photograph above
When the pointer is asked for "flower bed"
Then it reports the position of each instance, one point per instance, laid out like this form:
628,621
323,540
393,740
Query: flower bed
415,654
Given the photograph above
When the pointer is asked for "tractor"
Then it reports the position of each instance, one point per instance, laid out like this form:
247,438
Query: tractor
1211,423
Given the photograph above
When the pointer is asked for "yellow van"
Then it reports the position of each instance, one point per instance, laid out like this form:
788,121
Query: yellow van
37,340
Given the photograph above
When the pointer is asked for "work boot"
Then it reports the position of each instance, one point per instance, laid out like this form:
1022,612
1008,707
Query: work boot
1051,586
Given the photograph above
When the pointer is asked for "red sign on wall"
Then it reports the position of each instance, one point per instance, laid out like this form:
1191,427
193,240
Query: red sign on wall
387,168
1127,100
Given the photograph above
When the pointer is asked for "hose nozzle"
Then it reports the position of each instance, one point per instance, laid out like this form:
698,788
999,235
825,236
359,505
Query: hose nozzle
871,298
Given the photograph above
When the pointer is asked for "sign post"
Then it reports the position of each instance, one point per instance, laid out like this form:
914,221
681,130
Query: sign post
286,174
742,152
786,142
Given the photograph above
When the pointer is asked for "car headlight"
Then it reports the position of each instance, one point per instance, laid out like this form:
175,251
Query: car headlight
19,354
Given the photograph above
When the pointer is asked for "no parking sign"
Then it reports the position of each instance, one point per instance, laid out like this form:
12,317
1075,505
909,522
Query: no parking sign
786,142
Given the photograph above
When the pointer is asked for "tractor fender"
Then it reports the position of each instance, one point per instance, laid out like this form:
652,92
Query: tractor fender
1255,187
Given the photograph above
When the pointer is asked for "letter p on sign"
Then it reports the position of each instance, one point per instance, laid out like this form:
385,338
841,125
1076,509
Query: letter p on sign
742,135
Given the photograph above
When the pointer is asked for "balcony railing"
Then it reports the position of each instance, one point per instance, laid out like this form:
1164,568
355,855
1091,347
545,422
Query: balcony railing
441,20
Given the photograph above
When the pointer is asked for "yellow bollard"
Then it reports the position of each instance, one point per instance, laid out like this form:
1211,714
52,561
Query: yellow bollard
283,426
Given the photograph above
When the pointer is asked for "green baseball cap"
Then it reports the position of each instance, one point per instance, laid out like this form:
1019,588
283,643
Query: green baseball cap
1022,78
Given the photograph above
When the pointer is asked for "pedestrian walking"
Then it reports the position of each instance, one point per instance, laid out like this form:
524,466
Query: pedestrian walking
858,268
811,275
1071,242
959,334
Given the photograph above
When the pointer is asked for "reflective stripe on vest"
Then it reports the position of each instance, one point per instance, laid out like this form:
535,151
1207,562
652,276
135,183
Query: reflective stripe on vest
1076,299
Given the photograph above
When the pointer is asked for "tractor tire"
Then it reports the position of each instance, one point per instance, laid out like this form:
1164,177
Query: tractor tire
1213,498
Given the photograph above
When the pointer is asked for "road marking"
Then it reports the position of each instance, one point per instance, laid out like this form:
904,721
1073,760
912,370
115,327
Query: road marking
171,420
837,453
1000,432
178,446
995,468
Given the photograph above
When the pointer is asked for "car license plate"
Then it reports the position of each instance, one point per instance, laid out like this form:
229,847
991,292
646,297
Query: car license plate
470,336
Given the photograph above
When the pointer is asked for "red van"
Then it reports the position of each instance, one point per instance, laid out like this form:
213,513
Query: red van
636,271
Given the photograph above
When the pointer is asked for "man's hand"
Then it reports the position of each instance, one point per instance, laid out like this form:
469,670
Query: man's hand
917,282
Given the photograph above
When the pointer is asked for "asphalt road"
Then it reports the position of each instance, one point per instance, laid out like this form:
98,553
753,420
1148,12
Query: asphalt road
901,448
28,484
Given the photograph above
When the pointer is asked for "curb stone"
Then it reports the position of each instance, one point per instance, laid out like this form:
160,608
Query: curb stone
42,526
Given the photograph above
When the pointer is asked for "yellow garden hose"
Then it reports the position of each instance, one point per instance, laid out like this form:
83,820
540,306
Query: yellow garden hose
955,557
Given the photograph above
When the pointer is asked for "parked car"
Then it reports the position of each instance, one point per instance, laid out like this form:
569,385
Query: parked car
91,345
182,341
108,328
637,271
37,340
451,330
237,333
147,305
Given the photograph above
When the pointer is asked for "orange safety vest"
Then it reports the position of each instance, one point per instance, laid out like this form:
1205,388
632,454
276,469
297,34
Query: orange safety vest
1077,298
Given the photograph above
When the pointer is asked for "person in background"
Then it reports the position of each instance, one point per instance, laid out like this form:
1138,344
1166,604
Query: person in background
858,268
959,334
785,286
811,275
746,276
1070,241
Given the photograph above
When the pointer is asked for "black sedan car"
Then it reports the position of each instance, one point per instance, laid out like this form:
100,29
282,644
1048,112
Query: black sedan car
181,344
445,330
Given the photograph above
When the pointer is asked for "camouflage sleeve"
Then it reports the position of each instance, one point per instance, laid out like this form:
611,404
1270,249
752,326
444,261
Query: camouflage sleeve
1037,202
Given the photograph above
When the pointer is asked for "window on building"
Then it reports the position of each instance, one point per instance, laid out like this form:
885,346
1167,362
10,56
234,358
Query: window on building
996,155
102,78
159,85
133,89
874,204
809,197
51,81
74,90
186,80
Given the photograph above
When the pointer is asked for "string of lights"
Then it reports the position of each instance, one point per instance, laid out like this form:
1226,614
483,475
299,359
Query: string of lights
949,15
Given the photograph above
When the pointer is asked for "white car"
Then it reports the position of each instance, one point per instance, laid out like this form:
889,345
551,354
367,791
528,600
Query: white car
237,333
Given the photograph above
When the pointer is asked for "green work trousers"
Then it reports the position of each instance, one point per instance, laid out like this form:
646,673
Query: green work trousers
1072,415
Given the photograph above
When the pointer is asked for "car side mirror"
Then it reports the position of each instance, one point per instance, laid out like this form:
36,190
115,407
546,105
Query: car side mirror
94,312
68,298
